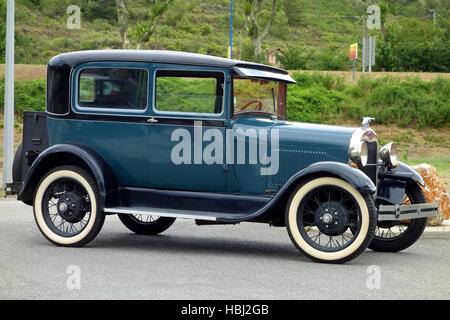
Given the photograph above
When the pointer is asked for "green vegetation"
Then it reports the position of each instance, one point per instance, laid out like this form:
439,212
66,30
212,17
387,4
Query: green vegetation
29,95
441,163
411,102
315,33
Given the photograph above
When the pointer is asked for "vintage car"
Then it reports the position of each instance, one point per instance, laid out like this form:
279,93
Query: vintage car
156,135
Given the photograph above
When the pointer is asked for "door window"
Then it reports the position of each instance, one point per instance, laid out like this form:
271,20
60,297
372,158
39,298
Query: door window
189,91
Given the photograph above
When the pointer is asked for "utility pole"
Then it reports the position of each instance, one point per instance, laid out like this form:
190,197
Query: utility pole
364,45
240,47
8,146
230,49
434,15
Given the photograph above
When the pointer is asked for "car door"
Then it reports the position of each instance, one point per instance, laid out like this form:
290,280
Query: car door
110,102
188,128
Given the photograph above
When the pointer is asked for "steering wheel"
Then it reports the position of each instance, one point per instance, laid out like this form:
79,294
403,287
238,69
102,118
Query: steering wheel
259,107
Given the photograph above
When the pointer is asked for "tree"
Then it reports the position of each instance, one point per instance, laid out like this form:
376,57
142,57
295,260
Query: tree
294,11
253,11
387,7
295,58
144,29
122,17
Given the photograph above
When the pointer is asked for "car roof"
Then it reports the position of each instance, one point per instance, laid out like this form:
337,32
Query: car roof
157,56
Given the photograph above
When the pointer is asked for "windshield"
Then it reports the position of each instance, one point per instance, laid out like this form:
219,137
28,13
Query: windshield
252,95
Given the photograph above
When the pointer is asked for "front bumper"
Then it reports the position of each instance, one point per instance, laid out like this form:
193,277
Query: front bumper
407,212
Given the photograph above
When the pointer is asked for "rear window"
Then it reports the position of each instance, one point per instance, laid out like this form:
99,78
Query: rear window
113,88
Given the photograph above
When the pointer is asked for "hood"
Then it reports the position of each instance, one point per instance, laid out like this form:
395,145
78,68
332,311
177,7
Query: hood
302,144
315,137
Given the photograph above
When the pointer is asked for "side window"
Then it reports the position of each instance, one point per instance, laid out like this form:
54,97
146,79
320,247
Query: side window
189,91
113,88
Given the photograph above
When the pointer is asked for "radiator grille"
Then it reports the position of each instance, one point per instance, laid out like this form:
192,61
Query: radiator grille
371,169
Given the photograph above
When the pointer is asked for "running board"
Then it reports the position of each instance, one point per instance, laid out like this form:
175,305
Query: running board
182,214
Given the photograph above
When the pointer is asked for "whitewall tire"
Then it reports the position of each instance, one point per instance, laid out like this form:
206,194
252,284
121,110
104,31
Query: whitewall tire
321,214
66,207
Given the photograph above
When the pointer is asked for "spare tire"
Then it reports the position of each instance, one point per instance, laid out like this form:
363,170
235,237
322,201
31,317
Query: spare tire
17,164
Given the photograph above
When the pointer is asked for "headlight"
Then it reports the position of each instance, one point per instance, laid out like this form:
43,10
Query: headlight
388,154
358,153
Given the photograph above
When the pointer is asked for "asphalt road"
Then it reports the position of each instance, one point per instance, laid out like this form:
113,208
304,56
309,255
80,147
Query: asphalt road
248,261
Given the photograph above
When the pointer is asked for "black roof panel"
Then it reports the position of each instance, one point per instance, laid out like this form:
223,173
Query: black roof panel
156,56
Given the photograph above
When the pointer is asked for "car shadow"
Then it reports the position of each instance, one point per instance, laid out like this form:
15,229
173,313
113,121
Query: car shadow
199,245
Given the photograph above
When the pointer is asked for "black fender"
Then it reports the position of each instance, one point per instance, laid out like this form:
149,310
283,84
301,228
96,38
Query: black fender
404,168
392,185
71,154
358,179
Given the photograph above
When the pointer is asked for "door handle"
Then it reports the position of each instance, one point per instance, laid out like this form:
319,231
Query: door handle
152,120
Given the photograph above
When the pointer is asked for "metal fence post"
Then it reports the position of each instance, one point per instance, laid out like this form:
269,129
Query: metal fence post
8,146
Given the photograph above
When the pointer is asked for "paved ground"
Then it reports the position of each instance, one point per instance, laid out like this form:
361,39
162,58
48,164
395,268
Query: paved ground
247,261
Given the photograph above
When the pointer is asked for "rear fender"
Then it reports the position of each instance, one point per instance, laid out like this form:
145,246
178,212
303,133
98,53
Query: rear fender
72,154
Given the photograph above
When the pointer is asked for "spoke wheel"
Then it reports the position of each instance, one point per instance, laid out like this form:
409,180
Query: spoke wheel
320,214
394,236
326,214
144,218
66,206
146,224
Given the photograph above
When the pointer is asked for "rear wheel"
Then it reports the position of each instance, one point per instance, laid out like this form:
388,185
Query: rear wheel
146,224
66,207
394,236
320,214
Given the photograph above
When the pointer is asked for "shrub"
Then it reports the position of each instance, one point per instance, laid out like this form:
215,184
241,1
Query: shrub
205,29
28,95
410,102
294,58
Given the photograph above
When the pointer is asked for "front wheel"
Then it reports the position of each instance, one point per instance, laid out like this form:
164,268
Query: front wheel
394,236
320,215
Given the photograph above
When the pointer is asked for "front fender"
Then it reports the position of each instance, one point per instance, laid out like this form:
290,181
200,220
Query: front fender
276,207
71,154
402,167
358,179
392,185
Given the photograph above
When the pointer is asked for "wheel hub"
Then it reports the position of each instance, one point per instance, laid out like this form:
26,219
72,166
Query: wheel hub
70,207
331,218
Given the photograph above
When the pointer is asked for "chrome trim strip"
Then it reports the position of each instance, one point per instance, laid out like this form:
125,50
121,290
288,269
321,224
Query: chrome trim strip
159,213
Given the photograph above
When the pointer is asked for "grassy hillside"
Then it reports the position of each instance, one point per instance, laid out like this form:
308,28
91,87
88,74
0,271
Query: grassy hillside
320,30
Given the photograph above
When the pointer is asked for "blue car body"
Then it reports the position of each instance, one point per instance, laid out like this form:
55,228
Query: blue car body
129,151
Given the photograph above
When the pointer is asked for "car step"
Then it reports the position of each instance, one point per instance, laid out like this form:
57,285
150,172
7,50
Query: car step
182,214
